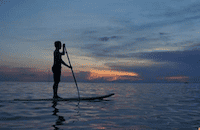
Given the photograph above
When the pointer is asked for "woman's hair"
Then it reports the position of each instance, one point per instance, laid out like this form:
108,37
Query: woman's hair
57,43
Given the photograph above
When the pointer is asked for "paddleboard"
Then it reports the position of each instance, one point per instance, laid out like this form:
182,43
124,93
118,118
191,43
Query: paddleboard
68,99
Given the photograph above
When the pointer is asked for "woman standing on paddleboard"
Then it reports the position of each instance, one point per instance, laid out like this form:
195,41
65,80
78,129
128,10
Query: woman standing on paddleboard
57,67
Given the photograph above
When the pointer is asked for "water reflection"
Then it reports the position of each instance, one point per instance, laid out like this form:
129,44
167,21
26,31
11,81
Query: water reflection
60,119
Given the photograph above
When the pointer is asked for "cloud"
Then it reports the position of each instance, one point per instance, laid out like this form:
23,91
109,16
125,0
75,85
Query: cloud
95,75
103,39
122,46
35,75
82,76
89,32
181,18
189,57
161,64
190,9
132,40
175,78
147,67
21,74
119,10
149,45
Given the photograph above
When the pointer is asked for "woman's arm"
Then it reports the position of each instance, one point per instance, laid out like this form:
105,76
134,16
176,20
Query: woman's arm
63,53
66,64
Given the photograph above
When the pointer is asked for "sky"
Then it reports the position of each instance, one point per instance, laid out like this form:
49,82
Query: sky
107,40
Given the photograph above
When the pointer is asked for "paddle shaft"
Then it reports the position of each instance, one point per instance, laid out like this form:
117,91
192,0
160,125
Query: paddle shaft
73,74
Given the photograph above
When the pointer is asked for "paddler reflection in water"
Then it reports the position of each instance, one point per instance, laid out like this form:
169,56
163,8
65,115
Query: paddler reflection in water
57,67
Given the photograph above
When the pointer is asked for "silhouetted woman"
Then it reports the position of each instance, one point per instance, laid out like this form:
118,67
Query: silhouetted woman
57,67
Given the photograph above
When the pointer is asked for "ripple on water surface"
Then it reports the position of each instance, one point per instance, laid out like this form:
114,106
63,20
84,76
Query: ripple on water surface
134,106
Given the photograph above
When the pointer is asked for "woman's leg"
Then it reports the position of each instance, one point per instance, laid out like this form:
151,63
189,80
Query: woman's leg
55,89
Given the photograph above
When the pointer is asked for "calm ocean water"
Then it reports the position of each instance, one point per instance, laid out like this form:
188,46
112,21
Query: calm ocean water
138,106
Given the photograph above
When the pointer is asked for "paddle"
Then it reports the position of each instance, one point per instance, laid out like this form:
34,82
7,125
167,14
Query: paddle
73,75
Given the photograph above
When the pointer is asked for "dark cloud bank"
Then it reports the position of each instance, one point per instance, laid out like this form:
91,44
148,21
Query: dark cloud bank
178,63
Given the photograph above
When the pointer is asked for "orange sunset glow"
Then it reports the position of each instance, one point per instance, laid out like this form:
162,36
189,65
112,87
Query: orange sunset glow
178,78
111,75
